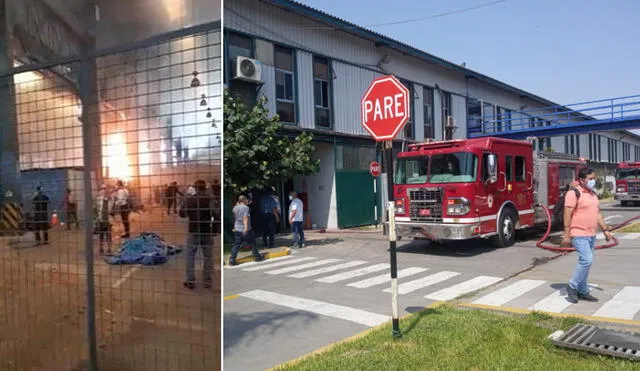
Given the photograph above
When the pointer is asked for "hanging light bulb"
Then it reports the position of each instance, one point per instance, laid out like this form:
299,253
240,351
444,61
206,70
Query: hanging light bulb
213,124
208,113
203,102
195,82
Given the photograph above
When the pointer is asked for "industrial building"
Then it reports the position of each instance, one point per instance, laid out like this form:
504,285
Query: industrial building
314,69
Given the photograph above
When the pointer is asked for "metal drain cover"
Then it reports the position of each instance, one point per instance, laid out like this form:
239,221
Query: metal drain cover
598,340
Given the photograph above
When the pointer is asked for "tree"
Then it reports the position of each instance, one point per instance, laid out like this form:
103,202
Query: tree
256,151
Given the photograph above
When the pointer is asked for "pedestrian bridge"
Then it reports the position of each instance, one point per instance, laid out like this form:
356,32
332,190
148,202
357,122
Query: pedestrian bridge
588,117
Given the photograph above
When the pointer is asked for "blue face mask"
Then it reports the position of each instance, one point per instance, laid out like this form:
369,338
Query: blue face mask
591,184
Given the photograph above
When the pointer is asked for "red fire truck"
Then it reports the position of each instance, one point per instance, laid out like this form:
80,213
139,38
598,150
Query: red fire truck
483,187
628,182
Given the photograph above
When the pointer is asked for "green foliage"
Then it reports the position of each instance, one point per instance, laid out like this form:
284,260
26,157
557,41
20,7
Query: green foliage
256,151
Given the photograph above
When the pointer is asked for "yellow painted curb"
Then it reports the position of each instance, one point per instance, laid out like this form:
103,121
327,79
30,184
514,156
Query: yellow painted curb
269,255
229,297
552,314
359,335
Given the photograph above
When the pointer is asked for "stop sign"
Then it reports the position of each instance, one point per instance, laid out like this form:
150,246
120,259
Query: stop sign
374,168
385,108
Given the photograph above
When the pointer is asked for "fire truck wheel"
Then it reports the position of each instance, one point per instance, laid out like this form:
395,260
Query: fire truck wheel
506,229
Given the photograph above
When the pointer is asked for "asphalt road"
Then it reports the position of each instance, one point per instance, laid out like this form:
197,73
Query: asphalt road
278,310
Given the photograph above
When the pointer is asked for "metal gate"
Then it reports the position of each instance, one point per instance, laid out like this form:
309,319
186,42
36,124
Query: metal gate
355,187
146,114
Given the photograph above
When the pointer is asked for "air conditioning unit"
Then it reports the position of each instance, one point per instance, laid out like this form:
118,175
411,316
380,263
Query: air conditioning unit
450,122
247,69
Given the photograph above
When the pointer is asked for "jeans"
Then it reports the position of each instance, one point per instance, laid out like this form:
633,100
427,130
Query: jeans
124,214
238,238
196,242
298,233
585,247
269,229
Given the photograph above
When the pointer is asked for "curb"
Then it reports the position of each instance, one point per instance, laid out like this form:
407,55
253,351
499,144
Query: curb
267,255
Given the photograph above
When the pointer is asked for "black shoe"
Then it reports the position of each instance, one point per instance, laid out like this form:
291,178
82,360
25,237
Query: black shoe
189,285
260,258
572,295
587,297
232,263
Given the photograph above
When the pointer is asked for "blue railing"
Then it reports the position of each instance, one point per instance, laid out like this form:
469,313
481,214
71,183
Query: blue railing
593,112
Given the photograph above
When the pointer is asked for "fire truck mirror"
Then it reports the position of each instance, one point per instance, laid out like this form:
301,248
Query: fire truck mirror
492,168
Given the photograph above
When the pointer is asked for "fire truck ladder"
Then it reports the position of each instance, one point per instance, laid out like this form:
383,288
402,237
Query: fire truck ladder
596,116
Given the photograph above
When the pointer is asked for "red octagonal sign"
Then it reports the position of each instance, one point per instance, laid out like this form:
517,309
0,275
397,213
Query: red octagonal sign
374,168
385,108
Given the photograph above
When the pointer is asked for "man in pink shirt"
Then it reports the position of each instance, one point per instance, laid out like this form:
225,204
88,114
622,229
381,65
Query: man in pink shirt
581,219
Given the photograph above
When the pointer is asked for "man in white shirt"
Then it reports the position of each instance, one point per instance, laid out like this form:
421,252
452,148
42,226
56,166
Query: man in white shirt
123,205
296,216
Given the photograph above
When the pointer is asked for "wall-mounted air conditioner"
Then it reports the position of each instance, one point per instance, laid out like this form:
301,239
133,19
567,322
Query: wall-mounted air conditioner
247,69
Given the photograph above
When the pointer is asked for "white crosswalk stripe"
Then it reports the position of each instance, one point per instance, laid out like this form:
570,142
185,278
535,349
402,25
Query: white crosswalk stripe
354,273
609,218
383,278
414,285
556,302
508,293
628,236
277,263
463,288
316,272
318,307
625,304
303,266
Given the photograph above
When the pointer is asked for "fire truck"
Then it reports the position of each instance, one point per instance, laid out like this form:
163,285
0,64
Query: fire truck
477,188
628,182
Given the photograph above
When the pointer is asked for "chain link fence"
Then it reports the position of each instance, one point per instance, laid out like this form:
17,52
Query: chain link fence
100,154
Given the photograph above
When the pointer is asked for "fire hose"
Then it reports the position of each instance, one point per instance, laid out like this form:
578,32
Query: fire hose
559,249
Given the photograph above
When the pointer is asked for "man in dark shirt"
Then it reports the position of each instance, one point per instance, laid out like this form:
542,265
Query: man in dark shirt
172,197
41,216
199,210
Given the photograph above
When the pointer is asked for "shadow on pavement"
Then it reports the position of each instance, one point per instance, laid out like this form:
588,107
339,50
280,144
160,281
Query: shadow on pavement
468,248
242,329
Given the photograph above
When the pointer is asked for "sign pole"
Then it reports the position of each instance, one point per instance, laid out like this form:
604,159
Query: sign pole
388,162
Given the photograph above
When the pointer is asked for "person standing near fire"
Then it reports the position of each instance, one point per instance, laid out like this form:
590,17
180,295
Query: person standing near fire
123,204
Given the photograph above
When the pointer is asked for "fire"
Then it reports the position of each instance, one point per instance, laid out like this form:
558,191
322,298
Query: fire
117,158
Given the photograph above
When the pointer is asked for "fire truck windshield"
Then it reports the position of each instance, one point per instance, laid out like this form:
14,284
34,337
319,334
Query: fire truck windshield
628,174
412,170
458,167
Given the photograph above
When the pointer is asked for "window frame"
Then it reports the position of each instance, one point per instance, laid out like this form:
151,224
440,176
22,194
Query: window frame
294,83
329,83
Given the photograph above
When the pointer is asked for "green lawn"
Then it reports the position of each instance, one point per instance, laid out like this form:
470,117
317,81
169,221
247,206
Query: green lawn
631,228
446,338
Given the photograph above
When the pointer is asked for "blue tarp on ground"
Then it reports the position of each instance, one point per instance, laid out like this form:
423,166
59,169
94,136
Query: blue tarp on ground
147,249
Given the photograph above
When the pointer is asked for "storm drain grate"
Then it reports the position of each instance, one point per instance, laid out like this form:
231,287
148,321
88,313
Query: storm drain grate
597,340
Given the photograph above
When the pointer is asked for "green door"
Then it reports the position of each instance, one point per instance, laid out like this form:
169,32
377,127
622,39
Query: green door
356,199
355,187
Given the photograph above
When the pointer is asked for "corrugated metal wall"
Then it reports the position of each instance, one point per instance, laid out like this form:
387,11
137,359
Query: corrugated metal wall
306,105
348,87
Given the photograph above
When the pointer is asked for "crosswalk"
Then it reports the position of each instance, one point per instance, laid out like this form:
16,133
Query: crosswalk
434,285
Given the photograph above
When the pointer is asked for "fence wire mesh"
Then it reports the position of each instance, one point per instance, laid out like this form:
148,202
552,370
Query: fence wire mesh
152,113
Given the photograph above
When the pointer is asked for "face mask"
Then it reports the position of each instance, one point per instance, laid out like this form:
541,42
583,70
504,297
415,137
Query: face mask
591,184
291,198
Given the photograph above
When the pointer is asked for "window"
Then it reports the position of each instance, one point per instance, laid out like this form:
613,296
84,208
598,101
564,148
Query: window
321,92
412,170
409,128
485,166
285,89
446,109
458,167
474,116
237,46
427,104
489,116
508,171
566,175
521,169
504,119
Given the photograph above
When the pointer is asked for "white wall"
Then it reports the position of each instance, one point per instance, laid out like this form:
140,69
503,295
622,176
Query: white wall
321,188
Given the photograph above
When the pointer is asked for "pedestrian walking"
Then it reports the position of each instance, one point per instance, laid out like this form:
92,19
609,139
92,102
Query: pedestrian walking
123,204
172,193
296,216
103,211
270,217
242,231
581,219
199,209
41,217
71,206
